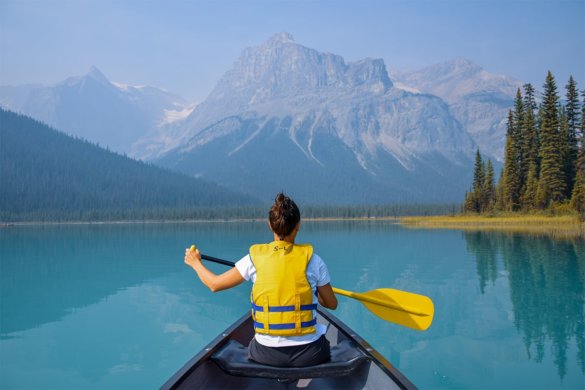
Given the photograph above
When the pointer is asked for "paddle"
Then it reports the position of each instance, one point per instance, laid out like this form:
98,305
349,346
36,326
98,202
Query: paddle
400,307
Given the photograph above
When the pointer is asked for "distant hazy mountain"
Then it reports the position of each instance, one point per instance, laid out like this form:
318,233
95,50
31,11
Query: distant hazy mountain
92,107
289,117
343,132
47,175
479,100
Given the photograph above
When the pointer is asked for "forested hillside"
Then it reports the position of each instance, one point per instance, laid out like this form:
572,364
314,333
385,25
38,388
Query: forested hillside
47,175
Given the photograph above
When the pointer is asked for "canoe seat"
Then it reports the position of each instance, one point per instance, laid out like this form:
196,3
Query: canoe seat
346,357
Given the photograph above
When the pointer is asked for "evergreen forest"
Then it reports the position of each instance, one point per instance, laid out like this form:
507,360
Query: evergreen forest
46,175
544,162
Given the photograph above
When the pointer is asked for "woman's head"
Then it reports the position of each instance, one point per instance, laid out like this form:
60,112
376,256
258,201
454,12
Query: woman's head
284,216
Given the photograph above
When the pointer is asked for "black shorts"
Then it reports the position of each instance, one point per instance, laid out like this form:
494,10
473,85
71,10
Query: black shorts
303,355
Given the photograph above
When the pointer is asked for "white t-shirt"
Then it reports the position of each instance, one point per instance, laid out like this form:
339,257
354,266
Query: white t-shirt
317,275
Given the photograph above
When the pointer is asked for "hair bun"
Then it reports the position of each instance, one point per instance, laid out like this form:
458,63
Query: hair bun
284,215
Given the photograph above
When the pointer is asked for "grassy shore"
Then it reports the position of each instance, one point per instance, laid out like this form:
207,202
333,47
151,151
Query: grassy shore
564,226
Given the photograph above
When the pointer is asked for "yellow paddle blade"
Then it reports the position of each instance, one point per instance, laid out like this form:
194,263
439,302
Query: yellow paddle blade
400,307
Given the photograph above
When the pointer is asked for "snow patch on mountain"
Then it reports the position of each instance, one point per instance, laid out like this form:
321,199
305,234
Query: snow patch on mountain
174,115
405,87
117,115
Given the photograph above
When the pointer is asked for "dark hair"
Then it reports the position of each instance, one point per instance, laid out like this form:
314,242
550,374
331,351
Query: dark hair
284,215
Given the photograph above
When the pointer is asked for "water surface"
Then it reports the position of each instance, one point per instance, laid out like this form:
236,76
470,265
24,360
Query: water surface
113,306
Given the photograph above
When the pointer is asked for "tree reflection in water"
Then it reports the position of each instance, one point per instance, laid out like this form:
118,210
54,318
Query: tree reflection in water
547,279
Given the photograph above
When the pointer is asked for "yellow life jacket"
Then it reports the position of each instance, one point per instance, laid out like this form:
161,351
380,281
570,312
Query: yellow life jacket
282,299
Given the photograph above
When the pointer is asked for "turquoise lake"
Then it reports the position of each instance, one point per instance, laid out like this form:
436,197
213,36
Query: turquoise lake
113,306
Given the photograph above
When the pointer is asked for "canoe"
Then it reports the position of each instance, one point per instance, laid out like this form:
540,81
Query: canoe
223,364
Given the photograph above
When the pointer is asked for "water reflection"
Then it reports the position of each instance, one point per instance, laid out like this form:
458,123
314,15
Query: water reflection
485,247
47,273
113,306
108,306
546,279
50,271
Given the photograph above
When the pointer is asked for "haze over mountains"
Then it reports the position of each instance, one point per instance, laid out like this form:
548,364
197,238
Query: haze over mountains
479,100
287,117
92,107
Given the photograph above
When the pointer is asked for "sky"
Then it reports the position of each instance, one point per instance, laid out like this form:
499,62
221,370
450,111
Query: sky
186,46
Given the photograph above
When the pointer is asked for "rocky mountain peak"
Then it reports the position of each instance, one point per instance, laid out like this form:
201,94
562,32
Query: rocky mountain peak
94,75
97,74
281,68
455,69
478,99
461,63
280,38
336,122
455,79
368,71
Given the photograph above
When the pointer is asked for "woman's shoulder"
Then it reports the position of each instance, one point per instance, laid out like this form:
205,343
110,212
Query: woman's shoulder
316,260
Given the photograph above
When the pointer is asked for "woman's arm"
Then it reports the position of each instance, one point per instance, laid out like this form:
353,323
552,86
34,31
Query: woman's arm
327,297
215,282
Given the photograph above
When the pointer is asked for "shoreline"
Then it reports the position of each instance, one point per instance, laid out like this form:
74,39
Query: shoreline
169,221
563,226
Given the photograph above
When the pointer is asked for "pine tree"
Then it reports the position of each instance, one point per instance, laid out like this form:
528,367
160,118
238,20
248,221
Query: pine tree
469,203
499,202
552,182
530,137
519,139
512,182
571,128
478,172
568,164
489,189
478,181
578,196
529,195
529,99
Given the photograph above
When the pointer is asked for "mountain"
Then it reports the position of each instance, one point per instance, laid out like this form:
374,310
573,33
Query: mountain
114,115
479,100
287,117
339,132
46,174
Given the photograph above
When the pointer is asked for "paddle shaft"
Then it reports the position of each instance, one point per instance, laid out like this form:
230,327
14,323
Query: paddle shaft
349,294
218,261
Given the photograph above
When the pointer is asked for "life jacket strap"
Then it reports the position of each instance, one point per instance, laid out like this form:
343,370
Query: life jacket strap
297,313
291,325
277,309
266,309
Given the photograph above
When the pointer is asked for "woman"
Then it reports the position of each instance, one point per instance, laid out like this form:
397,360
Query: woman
289,279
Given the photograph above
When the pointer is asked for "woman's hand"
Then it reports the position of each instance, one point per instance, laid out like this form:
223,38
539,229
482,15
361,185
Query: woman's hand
214,282
192,257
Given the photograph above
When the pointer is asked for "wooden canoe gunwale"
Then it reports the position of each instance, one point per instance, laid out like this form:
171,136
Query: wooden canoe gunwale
204,355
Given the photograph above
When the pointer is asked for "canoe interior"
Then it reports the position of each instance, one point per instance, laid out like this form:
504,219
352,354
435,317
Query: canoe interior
202,373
